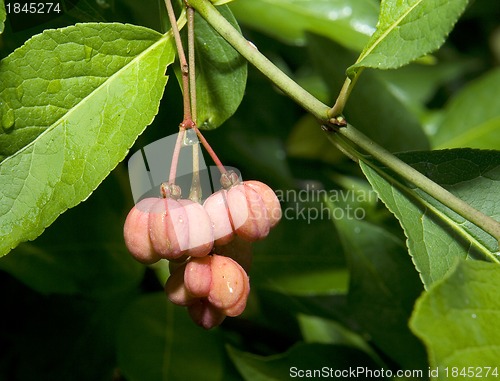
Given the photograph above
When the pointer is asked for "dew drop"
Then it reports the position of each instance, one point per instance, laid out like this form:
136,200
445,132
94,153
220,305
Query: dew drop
19,92
88,52
54,86
8,117
190,138
104,4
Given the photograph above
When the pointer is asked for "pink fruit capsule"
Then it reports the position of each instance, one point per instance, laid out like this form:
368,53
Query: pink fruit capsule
176,290
216,207
240,305
205,314
248,213
270,199
201,235
198,276
136,232
169,228
229,282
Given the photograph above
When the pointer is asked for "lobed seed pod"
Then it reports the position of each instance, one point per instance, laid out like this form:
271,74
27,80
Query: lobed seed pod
203,313
201,234
217,209
229,282
198,276
248,213
136,232
176,290
239,306
270,199
168,228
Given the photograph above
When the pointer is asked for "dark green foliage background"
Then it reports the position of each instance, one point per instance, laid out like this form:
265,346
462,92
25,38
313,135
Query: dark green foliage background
75,306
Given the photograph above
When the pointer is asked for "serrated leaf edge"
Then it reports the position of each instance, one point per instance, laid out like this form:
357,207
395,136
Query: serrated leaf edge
62,118
461,232
364,54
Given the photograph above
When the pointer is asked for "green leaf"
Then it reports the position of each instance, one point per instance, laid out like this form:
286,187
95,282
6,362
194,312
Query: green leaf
311,265
3,16
221,74
73,101
348,22
383,286
319,330
372,107
416,84
63,260
58,337
157,340
437,237
407,30
299,359
220,2
456,319
472,118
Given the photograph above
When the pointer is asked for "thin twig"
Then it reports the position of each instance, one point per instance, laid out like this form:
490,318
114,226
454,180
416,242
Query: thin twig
183,63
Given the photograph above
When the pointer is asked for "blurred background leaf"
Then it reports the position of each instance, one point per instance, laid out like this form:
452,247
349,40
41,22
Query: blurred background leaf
472,117
350,23
456,319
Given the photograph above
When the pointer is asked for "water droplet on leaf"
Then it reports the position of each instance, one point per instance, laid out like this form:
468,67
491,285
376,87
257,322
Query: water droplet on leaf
88,52
103,4
19,92
54,86
8,117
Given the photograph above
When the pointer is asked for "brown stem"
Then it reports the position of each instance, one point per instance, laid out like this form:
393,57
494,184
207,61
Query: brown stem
192,65
188,121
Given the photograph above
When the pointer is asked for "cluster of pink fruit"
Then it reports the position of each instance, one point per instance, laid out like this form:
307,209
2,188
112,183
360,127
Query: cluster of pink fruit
208,246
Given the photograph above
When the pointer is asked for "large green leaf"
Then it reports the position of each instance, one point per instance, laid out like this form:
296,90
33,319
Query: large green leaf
63,260
416,84
383,286
73,101
437,236
310,265
157,341
302,358
319,330
221,73
407,30
348,22
3,15
457,319
472,118
373,107
59,337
